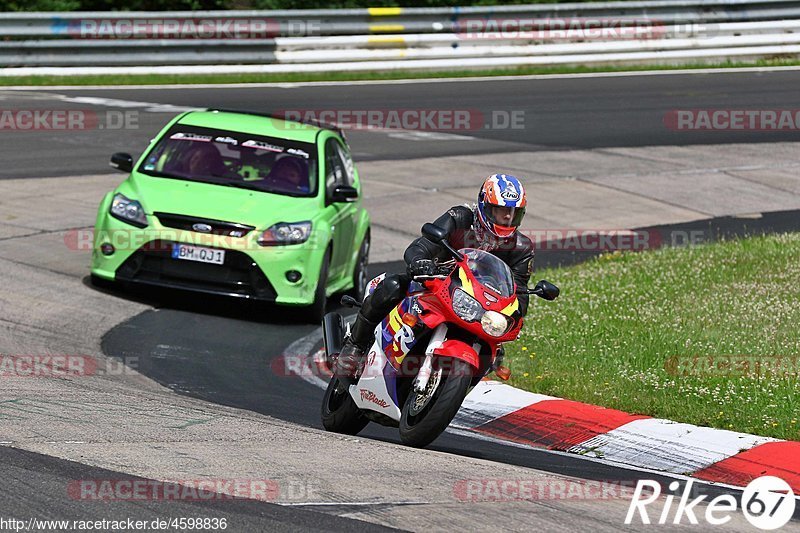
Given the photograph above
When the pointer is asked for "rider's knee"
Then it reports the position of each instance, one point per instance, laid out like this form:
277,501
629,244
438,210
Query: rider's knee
390,290
386,295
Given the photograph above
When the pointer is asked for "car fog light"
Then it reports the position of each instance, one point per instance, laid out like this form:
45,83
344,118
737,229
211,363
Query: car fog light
293,276
107,248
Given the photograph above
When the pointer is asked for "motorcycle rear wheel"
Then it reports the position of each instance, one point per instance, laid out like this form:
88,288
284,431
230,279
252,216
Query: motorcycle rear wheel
340,413
419,426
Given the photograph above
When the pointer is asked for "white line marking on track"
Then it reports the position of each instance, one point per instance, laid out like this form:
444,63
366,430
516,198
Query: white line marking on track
570,455
303,346
407,135
467,79
149,107
668,445
336,504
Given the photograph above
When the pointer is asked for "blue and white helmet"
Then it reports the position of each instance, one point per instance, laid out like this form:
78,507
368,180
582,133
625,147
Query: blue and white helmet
501,205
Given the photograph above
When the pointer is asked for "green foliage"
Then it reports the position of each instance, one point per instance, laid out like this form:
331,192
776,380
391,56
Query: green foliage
113,5
332,4
181,5
39,5
655,333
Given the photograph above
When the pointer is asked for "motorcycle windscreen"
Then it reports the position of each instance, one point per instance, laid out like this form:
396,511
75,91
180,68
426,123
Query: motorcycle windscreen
490,271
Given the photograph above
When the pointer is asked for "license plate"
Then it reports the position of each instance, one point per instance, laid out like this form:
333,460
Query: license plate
198,253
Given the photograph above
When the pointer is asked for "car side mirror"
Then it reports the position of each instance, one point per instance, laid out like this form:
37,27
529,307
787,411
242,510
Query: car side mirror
434,233
344,193
122,162
545,289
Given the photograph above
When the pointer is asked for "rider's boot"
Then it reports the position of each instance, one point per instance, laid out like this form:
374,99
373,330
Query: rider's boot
351,359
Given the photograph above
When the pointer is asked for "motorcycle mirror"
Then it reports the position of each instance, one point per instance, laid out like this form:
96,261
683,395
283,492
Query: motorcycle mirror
349,301
434,233
545,289
438,235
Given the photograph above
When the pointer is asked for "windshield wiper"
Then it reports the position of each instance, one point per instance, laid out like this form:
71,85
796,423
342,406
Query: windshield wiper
184,177
224,182
156,174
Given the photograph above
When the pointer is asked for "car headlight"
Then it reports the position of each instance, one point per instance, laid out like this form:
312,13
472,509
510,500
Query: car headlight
466,307
494,323
284,233
128,210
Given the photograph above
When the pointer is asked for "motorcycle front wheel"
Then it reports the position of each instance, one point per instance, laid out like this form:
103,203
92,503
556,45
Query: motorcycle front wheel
339,412
427,414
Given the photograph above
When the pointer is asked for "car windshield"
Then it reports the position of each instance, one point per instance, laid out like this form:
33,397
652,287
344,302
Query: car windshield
490,271
234,159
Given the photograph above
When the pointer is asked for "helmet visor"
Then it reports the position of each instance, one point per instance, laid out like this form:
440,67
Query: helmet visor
510,217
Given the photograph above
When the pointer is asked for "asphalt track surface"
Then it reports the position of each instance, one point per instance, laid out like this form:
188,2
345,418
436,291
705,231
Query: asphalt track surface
558,113
218,351
221,352
34,485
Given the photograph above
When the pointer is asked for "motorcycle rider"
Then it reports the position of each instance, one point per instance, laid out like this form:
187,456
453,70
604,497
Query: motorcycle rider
489,225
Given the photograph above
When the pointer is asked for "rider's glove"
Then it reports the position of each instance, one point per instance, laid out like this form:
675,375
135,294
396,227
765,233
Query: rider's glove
422,267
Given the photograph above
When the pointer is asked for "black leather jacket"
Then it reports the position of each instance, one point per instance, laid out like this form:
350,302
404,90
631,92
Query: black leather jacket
516,251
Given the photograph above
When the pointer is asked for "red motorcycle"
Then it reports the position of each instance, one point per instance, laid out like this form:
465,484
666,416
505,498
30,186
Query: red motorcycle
440,341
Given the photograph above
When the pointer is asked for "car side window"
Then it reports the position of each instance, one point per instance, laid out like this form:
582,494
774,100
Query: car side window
335,171
347,160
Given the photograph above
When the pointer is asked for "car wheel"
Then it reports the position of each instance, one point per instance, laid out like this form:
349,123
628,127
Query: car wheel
101,283
360,276
316,311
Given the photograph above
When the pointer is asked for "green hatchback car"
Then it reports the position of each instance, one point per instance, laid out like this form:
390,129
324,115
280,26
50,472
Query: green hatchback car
238,204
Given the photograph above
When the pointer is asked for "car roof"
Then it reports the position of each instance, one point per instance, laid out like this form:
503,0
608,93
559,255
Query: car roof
256,124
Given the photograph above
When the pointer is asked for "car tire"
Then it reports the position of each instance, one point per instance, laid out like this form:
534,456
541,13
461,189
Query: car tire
360,275
101,283
316,311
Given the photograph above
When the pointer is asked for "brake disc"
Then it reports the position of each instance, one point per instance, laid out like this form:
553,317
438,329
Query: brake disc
421,400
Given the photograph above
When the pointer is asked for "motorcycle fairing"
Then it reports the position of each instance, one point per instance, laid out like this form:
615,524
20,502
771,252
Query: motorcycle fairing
376,389
396,337
459,349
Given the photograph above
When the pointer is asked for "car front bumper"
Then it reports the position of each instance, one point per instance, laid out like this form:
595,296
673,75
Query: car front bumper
250,271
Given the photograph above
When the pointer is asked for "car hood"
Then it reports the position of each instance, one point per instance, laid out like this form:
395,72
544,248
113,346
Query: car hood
218,202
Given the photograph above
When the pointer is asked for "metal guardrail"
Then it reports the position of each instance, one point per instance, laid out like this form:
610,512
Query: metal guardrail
415,20
388,38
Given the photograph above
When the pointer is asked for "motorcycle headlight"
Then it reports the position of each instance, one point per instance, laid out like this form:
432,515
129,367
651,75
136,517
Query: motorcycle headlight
494,323
284,233
128,210
466,307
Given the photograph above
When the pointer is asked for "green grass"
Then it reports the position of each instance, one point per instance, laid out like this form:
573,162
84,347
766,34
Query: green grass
620,318
163,79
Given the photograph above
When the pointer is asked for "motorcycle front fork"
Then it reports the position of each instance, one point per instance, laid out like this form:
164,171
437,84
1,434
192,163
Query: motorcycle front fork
426,369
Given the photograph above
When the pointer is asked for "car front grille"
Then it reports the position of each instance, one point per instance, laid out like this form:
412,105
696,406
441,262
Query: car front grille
217,227
239,276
